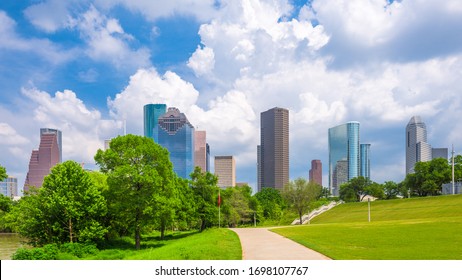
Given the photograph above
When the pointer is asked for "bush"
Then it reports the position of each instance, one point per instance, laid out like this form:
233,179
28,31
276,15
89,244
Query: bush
48,252
78,249
22,254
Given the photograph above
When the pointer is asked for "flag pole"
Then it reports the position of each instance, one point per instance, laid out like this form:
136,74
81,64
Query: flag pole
219,207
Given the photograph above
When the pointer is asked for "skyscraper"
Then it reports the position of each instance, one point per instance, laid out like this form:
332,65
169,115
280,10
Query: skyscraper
417,148
152,112
9,187
43,159
225,169
365,170
176,134
316,172
273,162
59,138
200,150
344,155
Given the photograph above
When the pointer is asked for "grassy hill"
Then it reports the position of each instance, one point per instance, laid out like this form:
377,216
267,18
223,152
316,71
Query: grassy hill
419,228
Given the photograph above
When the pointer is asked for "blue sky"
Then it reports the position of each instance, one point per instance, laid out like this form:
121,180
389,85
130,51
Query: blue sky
85,66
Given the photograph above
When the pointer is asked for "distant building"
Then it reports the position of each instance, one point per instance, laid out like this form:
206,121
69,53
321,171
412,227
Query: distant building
107,144
151,113
440,153
201,150
447,188
43,159
176,134
344,155
315,174
9,187
417,147
365,166
273,159
59,137
225,170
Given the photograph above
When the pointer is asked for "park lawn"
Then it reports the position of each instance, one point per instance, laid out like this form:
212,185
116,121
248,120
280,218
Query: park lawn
211,244
411,229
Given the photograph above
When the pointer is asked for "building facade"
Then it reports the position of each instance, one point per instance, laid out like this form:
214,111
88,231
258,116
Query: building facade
344,155
315,174
43,159
417,148
365,168
273,162
59,137
225,170
201,150
9,187
151,114
176,134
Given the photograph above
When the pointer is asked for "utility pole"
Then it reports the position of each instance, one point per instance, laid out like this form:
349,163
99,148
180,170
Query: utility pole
369,208
453,185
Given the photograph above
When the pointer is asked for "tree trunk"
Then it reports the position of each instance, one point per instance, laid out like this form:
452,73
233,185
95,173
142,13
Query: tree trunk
70,230
202,225
162,229
300,215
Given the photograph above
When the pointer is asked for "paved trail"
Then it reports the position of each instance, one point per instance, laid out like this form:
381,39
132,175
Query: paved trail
262,244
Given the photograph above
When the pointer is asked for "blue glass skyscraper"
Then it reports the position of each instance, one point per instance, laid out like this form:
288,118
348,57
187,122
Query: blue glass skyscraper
152,112
176,134
365,150
344,156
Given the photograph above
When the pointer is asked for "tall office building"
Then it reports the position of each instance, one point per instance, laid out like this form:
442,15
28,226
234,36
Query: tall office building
417,148
316,172
365,169
43,159
344,155
225,170
9,187
59,138
176,134
151,113
201,150
273,162
440,153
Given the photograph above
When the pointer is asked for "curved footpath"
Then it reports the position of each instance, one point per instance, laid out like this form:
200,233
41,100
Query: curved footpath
262,244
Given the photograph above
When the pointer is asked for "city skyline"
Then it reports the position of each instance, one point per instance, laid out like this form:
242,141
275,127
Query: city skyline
86,68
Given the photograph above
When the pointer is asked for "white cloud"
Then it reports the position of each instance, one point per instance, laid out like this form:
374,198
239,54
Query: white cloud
48,16
202,61
9,136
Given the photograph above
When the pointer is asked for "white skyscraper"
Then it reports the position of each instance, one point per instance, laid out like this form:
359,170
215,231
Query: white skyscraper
417,148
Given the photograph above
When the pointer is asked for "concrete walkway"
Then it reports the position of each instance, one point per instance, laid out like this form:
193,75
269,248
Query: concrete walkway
262,244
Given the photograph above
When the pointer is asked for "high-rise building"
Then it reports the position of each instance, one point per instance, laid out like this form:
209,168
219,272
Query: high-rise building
273,162
365,169
9,187
176,134
225,170
344,155
201,152
58,136
316,172
440,153
208,156
43,159
152,112
417,148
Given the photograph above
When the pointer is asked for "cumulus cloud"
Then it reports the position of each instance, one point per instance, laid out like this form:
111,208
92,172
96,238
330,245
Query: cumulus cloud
48,16
83,129
202,61
9,136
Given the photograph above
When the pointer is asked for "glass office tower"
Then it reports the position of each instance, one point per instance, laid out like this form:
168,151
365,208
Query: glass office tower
152,112
344,156
176,134
365,150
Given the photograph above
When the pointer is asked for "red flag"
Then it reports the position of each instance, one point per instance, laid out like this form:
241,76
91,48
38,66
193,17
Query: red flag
219,199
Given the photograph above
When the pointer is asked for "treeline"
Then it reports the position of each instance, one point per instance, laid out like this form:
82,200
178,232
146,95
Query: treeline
427,180
135,192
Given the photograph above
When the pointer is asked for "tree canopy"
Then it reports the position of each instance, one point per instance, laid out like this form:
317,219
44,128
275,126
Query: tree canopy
3,173
428,177
141,182
205,189
299,194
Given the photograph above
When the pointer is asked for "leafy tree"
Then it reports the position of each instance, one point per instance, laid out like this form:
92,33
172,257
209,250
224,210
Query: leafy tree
299,194
6,204
358,188
67,208
140,179
238,206
204,185
428,177
3,175
186,215
271,203
391,189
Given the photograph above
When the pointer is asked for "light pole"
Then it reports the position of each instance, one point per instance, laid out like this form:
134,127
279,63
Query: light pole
369,208
453,187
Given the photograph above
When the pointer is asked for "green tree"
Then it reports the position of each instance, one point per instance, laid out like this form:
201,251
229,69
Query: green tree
299,194
391,189
271,203
6,204
428,177
3,175
204,185
67,208
358,188
238,206
140,179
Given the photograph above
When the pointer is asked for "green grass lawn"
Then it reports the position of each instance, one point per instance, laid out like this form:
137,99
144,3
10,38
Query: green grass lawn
211,244
421,228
